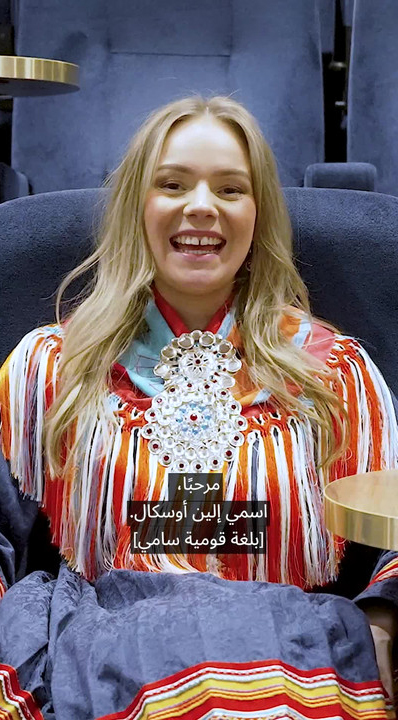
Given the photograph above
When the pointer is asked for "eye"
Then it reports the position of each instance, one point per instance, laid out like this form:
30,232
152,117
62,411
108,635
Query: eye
230,190
171,185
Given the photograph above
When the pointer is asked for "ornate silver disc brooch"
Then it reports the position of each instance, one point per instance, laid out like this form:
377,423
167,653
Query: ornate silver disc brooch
195,424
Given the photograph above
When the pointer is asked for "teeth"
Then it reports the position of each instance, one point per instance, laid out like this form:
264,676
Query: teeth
198,252
191,240
210,241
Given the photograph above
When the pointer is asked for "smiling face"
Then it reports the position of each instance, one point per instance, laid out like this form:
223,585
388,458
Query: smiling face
202,194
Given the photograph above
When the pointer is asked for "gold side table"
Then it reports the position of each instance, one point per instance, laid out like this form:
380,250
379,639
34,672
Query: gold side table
28,76
364,508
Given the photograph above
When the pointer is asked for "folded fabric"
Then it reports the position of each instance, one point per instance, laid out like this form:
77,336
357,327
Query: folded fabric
164,645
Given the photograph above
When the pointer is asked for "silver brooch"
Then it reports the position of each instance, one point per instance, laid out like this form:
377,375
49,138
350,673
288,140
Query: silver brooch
195,424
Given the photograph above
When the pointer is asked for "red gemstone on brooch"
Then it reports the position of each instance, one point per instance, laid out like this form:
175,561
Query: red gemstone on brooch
193,417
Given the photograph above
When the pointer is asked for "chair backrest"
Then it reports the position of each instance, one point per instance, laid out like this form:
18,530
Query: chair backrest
372,90
327,17
347,9
137,55
345,249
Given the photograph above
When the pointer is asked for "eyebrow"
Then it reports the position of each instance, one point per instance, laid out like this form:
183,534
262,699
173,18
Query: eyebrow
222,171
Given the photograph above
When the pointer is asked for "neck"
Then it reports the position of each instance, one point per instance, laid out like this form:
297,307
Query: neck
196,311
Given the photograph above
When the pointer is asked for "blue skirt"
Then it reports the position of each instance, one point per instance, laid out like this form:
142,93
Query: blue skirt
160,645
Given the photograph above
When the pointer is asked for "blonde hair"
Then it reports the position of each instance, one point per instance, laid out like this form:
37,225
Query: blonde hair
112,314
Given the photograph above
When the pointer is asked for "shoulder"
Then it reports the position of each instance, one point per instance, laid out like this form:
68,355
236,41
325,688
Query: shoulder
45,338
325,344
28,381
31,361
309,334
320,339
46,335
353,369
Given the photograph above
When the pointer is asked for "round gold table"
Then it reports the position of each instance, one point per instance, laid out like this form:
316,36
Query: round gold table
364,508
28,76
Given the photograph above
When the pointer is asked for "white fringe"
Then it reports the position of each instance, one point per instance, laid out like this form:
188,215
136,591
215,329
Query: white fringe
129,477
315,544
110,538
25,397
27,465
284,493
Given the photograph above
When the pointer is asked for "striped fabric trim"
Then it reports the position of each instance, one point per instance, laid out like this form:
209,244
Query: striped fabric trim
15,703
388,572
256,690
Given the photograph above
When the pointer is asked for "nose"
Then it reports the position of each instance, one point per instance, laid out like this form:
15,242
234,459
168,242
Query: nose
201,202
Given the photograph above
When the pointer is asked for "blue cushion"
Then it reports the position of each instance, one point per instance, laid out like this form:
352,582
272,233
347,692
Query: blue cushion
347,176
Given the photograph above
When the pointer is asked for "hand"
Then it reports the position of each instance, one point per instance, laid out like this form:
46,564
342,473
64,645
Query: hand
383,643
383,620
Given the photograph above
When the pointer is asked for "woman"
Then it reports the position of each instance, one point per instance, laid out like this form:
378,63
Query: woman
194,351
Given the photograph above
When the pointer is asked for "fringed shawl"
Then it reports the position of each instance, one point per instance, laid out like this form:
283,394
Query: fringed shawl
88,509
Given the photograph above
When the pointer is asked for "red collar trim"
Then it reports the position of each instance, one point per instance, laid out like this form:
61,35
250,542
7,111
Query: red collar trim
177,325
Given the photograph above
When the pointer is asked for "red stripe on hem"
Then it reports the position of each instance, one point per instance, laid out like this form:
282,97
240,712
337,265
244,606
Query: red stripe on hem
3,589
389,571
27,707
264,704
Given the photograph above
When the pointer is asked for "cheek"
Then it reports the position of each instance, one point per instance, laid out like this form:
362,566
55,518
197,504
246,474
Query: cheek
245,229
252,214
150,216
156,216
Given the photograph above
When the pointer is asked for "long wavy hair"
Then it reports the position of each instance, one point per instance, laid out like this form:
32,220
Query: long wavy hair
111,315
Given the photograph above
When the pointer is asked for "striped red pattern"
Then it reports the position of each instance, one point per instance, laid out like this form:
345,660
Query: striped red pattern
15,703
388,572
256,690
2,588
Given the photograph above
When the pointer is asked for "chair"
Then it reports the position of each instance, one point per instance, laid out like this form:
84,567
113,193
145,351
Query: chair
12,183
372,96
345,249
327,19
344,176
135,56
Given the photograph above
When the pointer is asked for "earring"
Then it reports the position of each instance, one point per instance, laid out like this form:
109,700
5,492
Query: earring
248,264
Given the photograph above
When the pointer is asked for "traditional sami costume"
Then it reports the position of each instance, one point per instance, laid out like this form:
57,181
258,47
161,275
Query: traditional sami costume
121,635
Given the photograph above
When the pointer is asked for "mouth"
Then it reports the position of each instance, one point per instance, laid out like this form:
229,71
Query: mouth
192,245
